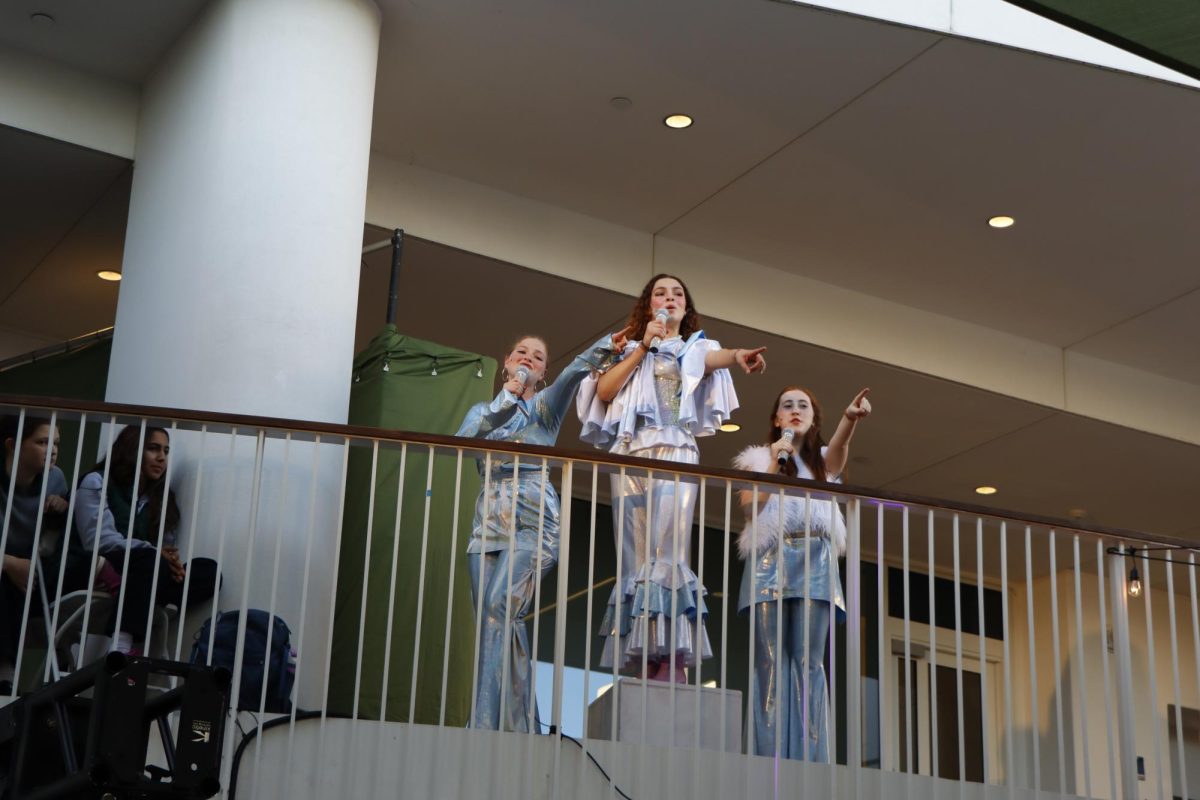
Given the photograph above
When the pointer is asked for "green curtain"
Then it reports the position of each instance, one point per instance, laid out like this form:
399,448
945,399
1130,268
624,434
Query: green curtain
402,383
80,374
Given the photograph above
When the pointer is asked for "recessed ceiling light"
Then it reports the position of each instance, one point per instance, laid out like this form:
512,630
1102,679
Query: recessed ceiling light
678,121
1001,222
108,275
620,103
730,427
41,18
985,490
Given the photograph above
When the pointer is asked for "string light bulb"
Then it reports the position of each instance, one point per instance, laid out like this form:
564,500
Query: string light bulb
1135,583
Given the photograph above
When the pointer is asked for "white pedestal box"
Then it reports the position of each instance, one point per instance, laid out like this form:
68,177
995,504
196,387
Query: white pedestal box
662,729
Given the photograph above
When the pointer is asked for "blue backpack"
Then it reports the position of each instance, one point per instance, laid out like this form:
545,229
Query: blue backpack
277,667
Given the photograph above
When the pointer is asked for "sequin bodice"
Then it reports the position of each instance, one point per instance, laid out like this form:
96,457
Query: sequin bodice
667,383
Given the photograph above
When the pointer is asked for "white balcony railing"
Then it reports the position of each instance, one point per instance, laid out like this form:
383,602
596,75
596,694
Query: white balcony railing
980,654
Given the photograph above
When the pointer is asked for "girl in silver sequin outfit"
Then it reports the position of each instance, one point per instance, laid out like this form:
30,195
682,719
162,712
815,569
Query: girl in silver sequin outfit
791,581
506,554
654,405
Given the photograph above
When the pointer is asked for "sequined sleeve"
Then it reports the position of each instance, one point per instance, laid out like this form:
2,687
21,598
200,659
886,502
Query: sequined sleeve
557,396
483,418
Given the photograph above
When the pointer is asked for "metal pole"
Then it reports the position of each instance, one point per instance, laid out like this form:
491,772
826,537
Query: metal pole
394,286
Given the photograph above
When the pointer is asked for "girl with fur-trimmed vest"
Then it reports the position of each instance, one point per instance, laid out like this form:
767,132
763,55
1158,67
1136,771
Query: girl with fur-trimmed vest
794,575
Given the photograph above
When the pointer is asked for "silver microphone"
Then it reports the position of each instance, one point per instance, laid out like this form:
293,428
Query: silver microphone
662,315
788,435
522,374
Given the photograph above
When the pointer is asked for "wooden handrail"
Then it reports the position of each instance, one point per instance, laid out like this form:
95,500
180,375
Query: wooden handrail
324,429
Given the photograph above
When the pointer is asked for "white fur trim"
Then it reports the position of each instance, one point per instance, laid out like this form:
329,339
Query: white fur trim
756,459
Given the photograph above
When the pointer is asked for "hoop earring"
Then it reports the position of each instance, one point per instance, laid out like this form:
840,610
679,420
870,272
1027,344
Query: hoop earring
542,381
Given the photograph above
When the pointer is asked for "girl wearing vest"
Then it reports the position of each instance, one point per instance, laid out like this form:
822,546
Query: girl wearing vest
125,528
789,693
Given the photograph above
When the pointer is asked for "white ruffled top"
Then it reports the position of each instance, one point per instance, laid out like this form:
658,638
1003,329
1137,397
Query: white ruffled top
635,419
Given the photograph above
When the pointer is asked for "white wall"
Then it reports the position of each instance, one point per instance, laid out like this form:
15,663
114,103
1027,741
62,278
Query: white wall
46,97
483,220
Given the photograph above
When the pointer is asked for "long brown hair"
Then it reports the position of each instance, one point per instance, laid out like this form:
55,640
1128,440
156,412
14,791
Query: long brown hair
640,316
810,445
126,452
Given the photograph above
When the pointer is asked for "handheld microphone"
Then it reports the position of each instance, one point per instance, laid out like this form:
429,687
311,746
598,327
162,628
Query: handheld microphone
788,435
522,374
662,315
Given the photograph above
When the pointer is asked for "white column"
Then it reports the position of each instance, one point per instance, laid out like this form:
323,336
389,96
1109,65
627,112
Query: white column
245,222
240,285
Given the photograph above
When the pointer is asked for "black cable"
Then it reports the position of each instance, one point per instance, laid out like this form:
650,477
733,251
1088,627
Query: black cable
305,715
271,723
550,730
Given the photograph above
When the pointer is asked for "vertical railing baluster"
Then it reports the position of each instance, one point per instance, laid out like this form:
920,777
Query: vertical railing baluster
239,651
366,582
699,632
35,562
1033,691
985,716
1082,661
95,555
1179,736
1127,744
68,532
935,768
12,485
1195,615
416,661
458,464
158,554
1110,720
751,747
1147,596
881,658
587,637
222,537
831,728
1009,767
560,620
853,643
1054,641
725,605
385,679
301,637
906,678
191,535
337,555
119,614
958,660
481,583
778,603
271,609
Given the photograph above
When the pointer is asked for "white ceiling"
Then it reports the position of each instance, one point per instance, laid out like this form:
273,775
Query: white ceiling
844,149
118,39
848,150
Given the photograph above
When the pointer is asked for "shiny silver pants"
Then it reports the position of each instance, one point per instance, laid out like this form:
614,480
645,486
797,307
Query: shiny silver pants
504,638
661,599
789,677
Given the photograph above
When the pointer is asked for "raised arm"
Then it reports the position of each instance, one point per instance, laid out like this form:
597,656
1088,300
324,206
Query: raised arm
750,360
838,452
597,358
